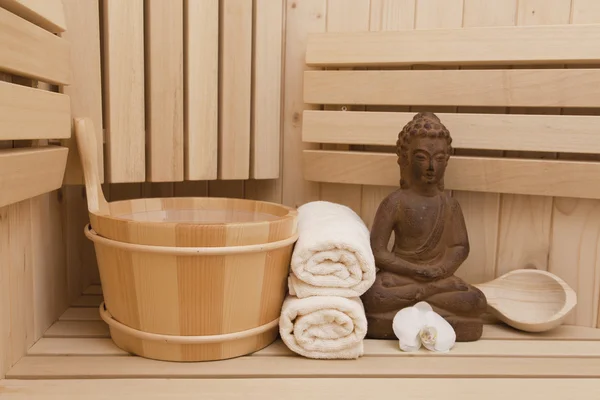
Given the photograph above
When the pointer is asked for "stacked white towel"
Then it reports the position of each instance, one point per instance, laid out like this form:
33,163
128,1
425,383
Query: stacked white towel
332,265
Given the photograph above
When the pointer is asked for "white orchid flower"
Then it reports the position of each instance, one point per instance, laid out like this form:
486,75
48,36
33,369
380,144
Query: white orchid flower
419,325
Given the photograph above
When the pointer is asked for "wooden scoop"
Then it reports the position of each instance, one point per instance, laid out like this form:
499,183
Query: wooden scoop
529,300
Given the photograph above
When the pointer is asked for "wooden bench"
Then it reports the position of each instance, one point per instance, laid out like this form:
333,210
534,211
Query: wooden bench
76,355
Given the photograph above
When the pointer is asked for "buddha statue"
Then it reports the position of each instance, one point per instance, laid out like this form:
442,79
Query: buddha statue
430,239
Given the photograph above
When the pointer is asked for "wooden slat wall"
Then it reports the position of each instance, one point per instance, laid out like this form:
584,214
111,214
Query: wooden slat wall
33,275
544,223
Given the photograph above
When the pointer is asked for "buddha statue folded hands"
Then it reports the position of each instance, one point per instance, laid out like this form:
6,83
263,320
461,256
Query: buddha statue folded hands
430,239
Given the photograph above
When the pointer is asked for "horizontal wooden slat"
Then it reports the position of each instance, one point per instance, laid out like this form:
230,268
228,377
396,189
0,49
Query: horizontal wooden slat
552,133
301,389
77,329
31,51
381,348
45,367
488,45
29,172
93,289
28,113
479,174
506,88
88,301
81,314
48,14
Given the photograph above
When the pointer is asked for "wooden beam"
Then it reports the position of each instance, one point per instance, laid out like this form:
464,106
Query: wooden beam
576,179
506,88
551,133
32,52
47,14
27,113
506,45
29,171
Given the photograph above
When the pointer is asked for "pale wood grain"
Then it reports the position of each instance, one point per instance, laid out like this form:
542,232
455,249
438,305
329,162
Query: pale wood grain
235,89
301,388
85,90
163,26
483,174
57,367
123,74
201,88
33,52
81,314
77,329
474,44
469,130
302,18
29,113
48,14
29,172
87,300
514,88
267,72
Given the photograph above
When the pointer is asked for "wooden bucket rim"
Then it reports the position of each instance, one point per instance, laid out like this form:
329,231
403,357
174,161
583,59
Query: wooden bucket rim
290,212
176,339
189,251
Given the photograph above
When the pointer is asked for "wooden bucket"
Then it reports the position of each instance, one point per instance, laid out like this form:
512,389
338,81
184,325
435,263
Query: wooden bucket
188,279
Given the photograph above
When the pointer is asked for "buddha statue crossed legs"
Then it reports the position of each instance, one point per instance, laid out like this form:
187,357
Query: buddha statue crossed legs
431,239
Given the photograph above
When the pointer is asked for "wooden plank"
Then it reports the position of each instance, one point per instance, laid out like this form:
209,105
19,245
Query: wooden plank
75,346
29,113
40,367
33,52
77,329
502,45
514,88
88,300
29,172
373,348
124,90
47,14
81,314
235,89
266,92
164,95
568,133
300,389
93,289
201,89
577,179
85,90
562,332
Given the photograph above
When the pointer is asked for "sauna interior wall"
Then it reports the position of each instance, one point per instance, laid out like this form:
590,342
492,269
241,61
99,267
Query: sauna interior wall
45,261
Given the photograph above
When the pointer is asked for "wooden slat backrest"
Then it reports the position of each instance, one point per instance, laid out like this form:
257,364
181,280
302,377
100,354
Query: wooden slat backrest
492,74
32,58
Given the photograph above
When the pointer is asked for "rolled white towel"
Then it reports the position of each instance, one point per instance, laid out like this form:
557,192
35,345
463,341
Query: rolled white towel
323,327
332,255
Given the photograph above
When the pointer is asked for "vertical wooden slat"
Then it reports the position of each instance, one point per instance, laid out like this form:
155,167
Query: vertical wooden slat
123,71
385,15
164,90
235,89
525,221
345,16
481,210
85,90
201,38
266,88
302,17
575,236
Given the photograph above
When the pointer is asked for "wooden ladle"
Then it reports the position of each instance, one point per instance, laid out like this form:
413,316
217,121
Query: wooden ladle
529,300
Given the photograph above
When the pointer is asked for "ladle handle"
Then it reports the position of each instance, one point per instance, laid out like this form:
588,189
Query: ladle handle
88,152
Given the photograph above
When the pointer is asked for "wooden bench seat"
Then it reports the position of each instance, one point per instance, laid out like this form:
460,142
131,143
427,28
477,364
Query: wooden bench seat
76,357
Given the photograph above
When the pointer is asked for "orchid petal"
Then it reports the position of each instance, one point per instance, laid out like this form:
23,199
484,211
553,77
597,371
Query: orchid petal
407,326
437,334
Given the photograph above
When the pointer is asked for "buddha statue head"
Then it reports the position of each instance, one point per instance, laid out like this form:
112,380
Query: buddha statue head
423,147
